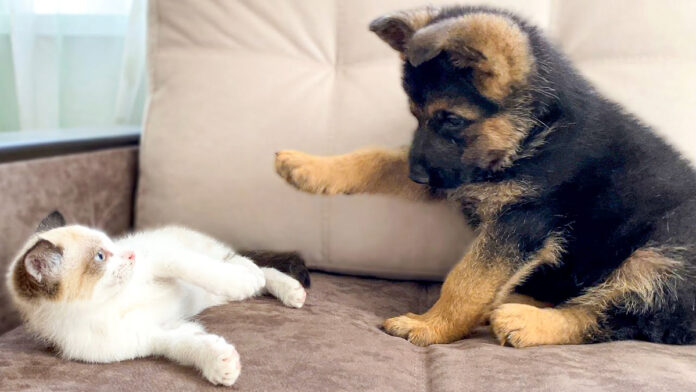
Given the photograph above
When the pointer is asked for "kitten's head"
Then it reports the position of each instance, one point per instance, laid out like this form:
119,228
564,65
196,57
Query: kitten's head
68,263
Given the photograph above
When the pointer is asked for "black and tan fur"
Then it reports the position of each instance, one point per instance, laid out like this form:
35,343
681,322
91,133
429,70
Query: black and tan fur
586,219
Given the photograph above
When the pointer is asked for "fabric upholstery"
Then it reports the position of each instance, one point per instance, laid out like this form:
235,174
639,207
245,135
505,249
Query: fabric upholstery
334,344
234,81
94,188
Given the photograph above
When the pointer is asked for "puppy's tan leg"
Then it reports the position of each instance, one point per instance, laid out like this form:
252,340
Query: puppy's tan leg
522,325
370,170
484,279
640,282
515,298
466,294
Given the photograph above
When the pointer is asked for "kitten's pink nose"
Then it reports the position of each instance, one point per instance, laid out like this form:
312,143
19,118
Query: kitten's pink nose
130,255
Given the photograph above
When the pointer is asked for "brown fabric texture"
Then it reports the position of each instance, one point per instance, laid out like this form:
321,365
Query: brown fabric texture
334,344
94,188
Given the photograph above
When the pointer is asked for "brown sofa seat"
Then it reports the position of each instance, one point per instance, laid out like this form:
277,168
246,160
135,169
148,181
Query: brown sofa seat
334,344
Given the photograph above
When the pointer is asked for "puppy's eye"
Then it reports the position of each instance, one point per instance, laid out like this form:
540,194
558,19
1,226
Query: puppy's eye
451,121
449,125
100,256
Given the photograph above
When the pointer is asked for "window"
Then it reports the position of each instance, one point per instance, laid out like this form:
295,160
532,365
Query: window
82,7
71,64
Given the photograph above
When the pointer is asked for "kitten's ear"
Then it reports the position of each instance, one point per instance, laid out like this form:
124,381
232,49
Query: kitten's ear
43,260
54,220
397,28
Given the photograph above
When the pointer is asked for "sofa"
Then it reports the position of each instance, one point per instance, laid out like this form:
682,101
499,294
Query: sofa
233,81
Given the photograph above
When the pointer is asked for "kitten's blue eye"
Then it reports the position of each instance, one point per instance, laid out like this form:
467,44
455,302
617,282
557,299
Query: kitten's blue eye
99,256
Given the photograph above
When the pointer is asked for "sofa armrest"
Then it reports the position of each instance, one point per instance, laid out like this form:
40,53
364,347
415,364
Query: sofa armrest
95,187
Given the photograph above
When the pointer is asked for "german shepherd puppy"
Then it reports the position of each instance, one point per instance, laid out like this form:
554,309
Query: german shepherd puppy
586,219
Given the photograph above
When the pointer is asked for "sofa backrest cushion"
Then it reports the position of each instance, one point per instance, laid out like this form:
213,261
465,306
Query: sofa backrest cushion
231,82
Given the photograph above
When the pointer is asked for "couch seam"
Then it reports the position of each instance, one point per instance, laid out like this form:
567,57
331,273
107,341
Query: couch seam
152,35
330,137
425,376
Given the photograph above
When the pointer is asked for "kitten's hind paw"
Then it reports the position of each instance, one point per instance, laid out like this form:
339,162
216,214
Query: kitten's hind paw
294,297
224,366
287,289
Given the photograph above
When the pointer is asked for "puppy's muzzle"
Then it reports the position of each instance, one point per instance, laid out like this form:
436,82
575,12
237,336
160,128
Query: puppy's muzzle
418,174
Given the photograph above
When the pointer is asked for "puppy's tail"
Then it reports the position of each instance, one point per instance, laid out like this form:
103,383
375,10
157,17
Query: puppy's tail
290,263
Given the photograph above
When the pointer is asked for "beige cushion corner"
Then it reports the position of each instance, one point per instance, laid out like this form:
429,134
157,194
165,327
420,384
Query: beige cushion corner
232,82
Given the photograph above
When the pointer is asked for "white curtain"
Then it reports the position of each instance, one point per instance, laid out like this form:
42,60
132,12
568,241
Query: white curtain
71,63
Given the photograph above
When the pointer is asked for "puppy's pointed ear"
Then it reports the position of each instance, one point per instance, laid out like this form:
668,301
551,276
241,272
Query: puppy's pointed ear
397,28
54,220
43,260
494,46
428,42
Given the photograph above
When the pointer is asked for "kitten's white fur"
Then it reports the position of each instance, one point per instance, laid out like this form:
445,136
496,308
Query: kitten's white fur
143,308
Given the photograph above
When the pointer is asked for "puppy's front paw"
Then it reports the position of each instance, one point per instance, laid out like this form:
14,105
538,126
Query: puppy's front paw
222,366
524,326
419,330
401,326
308,173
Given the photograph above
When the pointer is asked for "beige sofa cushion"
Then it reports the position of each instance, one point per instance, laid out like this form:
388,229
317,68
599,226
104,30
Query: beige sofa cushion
234,81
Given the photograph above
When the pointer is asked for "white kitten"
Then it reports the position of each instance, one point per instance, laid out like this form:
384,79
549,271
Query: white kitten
98,300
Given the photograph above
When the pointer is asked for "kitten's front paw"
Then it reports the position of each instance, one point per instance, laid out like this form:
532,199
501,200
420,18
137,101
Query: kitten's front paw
292,294
223,366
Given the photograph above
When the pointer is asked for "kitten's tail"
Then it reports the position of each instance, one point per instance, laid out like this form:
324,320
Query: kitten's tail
290,263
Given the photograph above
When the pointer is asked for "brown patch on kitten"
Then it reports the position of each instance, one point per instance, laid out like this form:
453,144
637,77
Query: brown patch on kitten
493,45
53,220
78,272
493,143
370,170
25,284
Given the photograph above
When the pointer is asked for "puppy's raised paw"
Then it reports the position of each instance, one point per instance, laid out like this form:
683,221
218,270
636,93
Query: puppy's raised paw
308,173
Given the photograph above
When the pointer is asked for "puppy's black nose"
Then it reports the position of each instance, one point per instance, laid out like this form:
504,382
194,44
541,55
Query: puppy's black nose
417,173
